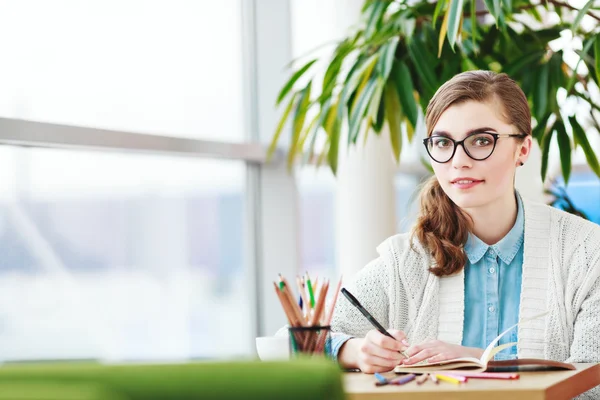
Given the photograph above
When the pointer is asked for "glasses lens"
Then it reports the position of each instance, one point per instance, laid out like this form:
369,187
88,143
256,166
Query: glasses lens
440,148
480,145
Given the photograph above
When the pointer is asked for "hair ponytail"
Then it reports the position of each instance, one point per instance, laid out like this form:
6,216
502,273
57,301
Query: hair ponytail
442,228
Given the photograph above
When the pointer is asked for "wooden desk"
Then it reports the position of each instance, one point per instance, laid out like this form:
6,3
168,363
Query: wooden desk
553,385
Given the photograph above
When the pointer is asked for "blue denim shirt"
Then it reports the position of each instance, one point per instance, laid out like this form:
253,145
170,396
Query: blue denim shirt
493,288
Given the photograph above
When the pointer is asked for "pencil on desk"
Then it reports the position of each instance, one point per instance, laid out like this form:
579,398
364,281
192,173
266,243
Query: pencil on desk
486,375
461,378
403,380
447,378
422,379
434,379
382,380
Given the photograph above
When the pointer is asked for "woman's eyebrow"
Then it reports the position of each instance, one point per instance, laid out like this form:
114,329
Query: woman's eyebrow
469,132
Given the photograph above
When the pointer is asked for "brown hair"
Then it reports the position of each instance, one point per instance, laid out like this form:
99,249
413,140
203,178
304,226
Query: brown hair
442,227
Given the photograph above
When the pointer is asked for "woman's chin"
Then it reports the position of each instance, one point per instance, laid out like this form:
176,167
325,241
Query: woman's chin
467,200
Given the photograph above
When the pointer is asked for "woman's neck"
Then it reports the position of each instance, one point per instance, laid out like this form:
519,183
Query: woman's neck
493,221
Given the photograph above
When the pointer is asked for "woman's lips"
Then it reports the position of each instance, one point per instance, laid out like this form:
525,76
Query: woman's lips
465,183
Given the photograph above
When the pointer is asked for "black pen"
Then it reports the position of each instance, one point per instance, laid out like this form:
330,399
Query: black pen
367,315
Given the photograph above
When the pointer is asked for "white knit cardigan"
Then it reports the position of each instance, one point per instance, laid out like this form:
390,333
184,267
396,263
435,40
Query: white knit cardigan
561,270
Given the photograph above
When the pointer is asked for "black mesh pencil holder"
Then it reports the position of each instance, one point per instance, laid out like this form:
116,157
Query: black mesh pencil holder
310,341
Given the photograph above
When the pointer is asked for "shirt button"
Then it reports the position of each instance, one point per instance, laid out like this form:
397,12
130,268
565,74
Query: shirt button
492,270
492,309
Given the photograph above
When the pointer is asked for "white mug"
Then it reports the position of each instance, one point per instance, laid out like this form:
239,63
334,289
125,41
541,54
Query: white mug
273,347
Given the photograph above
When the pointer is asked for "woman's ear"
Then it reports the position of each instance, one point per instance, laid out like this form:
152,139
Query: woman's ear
523,150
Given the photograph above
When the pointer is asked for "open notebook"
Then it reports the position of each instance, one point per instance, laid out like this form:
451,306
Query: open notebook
486,363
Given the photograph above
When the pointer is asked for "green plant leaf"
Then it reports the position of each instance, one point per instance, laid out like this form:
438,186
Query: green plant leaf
404,86
423,67
377,9
364,79
410,131
546,140
455,10
438,9
474,24
288,86
582,140
493,7
536,14
334,144
376,99
310,130
523,63
280,125
407,27
540,129
378,124
359,109
557,80
366,5
323,114
443,31
582,54
386,59
580,16
299,117
352,81
541,98
329,79
393,114
564,145
468,65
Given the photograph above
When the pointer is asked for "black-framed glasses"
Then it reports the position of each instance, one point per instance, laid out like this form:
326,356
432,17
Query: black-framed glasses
478,146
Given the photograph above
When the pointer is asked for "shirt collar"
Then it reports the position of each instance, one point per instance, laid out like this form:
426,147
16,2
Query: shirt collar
507,247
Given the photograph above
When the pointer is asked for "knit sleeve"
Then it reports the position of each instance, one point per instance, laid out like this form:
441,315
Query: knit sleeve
370,289
585,347
586,340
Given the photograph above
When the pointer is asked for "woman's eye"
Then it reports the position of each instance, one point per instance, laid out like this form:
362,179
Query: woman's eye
441,143
482,141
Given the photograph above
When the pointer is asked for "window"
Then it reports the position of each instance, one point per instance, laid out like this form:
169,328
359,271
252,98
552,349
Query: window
140,66
121,257
316,189
583,191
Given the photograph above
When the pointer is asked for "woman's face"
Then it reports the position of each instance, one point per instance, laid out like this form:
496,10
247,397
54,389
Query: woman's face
470,183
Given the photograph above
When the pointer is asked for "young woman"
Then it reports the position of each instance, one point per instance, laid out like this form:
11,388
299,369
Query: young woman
480,258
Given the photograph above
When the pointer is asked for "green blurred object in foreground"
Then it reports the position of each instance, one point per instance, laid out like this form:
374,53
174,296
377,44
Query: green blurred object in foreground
299,379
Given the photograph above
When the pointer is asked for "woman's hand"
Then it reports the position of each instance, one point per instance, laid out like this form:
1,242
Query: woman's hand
375,352
435,351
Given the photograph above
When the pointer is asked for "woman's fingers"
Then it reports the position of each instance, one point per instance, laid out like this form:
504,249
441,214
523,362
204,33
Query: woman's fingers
420,356
373,349
400,336
370,363
385,342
